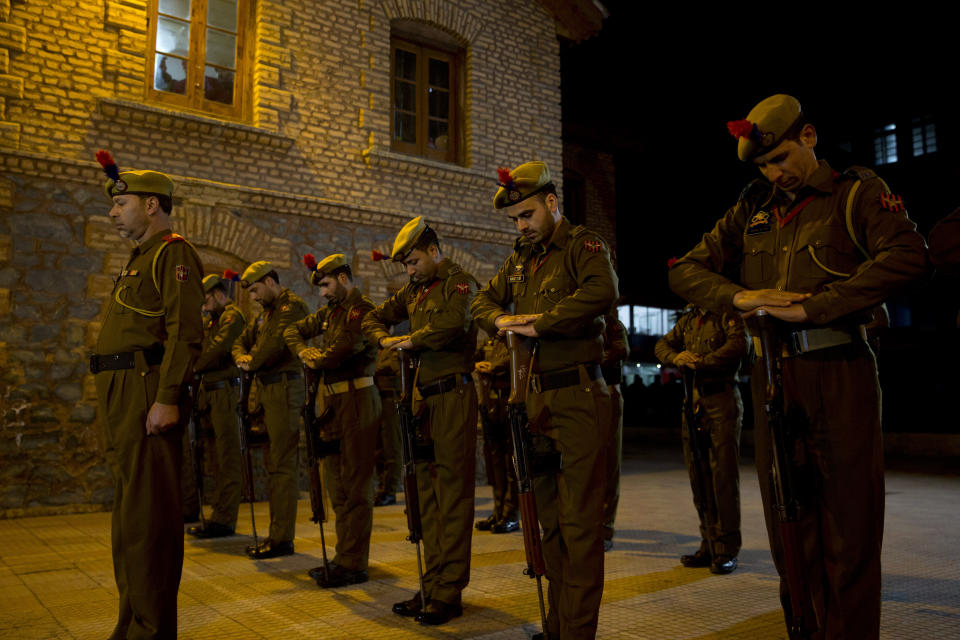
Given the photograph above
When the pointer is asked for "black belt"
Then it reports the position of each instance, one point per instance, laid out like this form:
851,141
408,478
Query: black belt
444,384
125,360
277,376
559,378
221,384
710,388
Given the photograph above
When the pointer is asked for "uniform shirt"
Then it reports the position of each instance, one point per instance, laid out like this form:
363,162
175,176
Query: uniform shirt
812,253
570,281
616,348
216,360
345,353
719,340
442,330
495,351
263,338
145,315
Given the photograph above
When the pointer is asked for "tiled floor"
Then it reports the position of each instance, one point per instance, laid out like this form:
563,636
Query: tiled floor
56,578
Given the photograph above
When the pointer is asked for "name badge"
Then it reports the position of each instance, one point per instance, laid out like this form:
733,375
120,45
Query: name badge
517,275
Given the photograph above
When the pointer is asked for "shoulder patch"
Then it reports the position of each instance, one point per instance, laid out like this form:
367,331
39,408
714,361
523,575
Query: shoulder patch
463,288
355,313
891,202
183,273
593,246
759,223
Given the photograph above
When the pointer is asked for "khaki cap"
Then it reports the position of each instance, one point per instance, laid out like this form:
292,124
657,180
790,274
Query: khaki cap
520,183
139,183
324,267
408,237
210,281
255,272
765,125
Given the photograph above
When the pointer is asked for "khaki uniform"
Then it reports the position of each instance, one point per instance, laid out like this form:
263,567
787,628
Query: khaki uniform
346,357
387,379
834,390
157,320
721,342
218,399
496,429
616,349
444,336
281,394
573,285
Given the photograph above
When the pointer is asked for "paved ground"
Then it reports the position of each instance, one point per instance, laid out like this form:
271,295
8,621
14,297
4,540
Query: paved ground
56,579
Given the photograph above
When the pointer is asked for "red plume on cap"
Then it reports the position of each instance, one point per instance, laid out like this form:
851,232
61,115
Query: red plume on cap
741,129
109,165
310,262
672,261
376,256
231,275
503,175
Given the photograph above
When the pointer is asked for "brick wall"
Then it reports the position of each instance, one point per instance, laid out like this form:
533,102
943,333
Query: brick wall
597,173
309,171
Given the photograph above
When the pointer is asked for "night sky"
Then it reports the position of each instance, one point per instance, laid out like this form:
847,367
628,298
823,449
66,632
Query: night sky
658,91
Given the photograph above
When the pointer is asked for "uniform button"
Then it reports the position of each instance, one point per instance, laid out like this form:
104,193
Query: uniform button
784,248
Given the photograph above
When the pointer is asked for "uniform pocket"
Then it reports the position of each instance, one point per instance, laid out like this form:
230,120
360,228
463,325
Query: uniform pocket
555,289
824,255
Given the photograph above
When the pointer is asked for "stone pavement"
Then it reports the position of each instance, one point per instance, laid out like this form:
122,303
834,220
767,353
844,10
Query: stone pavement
56,578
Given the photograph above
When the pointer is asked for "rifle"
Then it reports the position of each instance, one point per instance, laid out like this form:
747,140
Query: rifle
786,496
520,357
700,443
312,427
408,437
196,446
243,424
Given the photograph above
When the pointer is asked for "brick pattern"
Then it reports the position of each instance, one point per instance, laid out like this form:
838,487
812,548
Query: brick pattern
599,174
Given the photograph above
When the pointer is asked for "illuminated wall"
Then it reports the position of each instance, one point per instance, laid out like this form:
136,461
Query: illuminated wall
308,167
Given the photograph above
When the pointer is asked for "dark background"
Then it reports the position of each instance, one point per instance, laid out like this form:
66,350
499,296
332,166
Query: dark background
656,88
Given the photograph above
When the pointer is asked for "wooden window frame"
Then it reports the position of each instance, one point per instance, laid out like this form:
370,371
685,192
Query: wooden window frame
194,100
424,51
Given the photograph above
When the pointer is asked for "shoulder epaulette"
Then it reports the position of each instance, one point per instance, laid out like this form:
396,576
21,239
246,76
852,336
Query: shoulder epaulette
858,173
756,188
454,270
578,230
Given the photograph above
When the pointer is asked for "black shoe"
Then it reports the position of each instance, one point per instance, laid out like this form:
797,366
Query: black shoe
341,577
487,523
385,499
700,559
505,526
723,565
212,530
317,572
438,612
270,549
608,545
409,608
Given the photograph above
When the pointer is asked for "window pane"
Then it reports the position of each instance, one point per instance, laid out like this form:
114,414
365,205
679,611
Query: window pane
170,74
439,73
222,14
439,103
218,85
405,96
405,127
221,48
406,65
173,36
438,134
179,8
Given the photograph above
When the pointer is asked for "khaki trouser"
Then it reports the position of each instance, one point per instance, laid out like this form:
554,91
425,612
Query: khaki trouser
282,402
389,440
614,457
222,404
348,477
147,524
447,488
722,416
836,394
576,422
502,474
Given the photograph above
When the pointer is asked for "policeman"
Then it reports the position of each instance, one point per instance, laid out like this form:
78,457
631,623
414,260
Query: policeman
149,338
493,369
711,347
817,250
218,396
347,361
616,348
444,335
560,283
261,349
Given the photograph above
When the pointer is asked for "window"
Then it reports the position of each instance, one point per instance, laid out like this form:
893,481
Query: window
924,136
885,145
646,321
196,58
425,87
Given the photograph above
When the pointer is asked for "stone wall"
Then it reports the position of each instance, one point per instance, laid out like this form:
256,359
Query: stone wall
309,170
